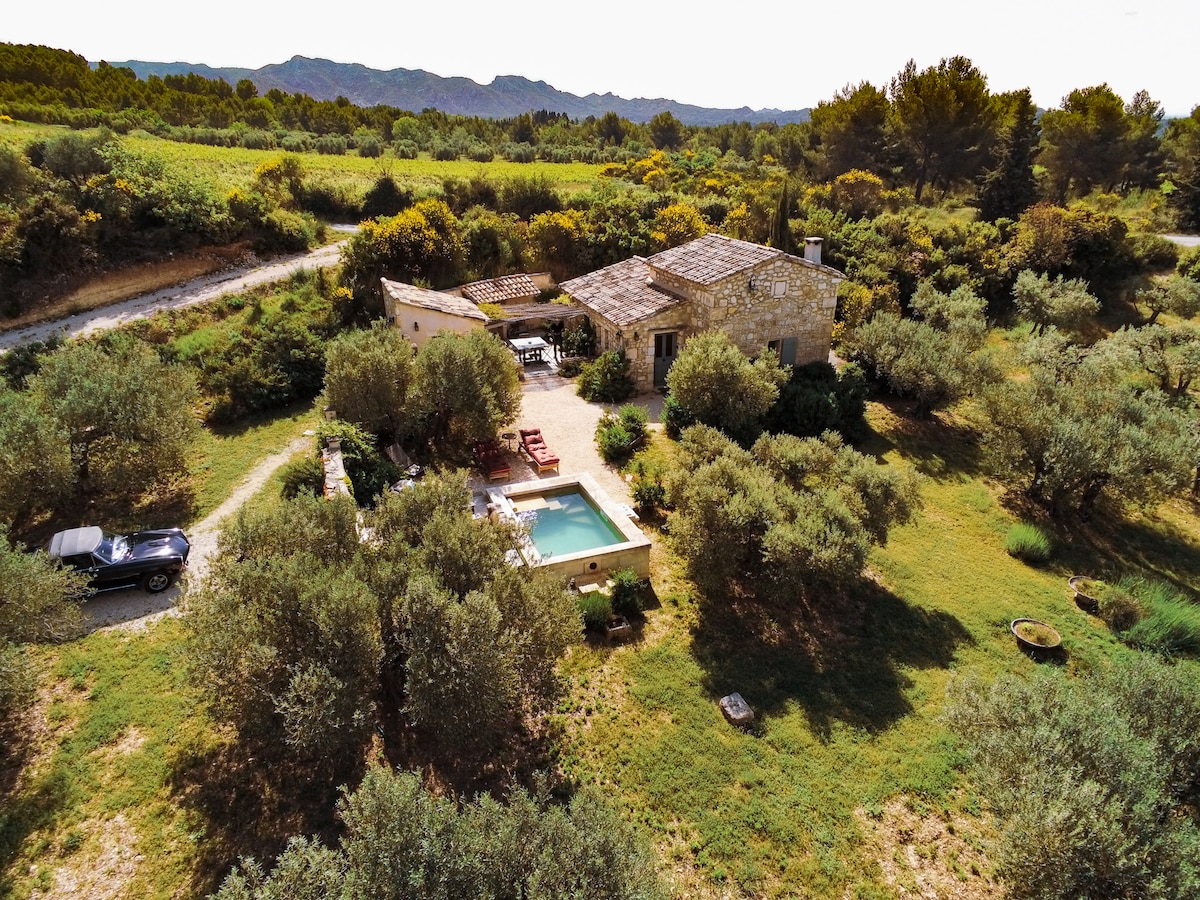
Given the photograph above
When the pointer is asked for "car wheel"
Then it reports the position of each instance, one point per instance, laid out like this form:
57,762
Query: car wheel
156,582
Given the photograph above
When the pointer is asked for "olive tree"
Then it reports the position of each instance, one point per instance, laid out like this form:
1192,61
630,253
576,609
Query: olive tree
284,635
478,638
465,387
1093,779
1074,429
787,514
934,360
128,416
713,383
1177,295
400,840
368,374
35,459
1053,303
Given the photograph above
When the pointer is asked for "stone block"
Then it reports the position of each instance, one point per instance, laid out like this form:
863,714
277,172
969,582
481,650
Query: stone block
736,710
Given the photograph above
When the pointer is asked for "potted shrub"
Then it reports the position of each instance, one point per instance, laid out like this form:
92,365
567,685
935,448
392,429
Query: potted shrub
1034,636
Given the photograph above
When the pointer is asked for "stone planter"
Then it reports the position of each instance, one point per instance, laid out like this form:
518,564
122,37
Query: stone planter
1085,597
1035,637
618,629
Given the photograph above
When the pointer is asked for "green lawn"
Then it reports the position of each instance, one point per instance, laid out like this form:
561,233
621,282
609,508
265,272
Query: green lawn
848,694
121,726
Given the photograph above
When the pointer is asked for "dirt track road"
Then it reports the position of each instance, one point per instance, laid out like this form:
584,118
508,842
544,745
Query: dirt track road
200,290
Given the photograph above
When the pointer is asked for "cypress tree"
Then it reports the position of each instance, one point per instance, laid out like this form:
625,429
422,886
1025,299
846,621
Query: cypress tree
1009,189
781,234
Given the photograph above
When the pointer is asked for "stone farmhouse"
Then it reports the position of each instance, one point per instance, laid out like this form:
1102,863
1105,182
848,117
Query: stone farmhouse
759,296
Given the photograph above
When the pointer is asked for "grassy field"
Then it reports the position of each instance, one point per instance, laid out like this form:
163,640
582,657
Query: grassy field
849,785
233,167
100,811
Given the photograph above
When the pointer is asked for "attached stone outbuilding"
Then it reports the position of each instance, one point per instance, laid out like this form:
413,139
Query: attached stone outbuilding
420,313
759,296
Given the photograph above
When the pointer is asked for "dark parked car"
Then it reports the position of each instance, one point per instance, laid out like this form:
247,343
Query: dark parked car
152,559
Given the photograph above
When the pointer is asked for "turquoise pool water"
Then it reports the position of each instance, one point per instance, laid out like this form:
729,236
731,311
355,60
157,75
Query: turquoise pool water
566,522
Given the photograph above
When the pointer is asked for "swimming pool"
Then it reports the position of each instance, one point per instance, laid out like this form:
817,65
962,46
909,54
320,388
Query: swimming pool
565,521
575,529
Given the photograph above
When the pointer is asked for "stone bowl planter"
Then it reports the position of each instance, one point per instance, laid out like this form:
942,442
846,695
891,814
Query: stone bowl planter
1086,592
1035,637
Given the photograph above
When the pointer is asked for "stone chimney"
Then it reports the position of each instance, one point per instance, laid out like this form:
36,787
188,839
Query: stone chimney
812,250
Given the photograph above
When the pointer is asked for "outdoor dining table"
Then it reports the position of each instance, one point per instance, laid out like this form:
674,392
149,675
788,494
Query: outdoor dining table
529,349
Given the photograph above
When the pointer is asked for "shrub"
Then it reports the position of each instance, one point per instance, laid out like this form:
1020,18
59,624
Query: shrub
1028,543
675,417
634,418
595,607
1119,609
304,476
569,368
1170,624
332,145
1091,778
578,340
1152,252
817,398
649,493
405,150
613,440
627,592
1189,264
284,230
606,379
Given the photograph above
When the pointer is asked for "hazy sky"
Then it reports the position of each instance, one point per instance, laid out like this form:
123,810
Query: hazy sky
765,54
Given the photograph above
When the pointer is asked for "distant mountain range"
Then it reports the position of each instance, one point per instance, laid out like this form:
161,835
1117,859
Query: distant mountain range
415,89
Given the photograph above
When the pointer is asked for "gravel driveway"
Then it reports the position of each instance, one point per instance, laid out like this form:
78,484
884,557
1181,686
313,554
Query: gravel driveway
135,609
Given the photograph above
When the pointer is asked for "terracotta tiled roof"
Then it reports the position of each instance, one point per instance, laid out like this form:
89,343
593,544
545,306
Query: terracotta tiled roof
621,292
504,289
710,258
447,303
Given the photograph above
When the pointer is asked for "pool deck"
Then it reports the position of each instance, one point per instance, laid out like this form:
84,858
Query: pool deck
632,553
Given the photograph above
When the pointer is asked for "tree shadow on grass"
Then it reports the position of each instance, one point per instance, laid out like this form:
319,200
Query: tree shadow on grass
22,813
840,656
939,446
515,757
251,802
1114,543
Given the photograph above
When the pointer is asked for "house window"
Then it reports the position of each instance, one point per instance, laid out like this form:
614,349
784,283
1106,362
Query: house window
779,289
416,326
785,348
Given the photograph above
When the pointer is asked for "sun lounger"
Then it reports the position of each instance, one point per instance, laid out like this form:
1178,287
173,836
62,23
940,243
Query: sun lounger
535,447
491,459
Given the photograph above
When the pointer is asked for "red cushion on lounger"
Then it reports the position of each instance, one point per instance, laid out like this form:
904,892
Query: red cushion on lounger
530,432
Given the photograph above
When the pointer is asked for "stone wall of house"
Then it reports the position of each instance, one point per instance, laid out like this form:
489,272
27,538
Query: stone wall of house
788,300
638,339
